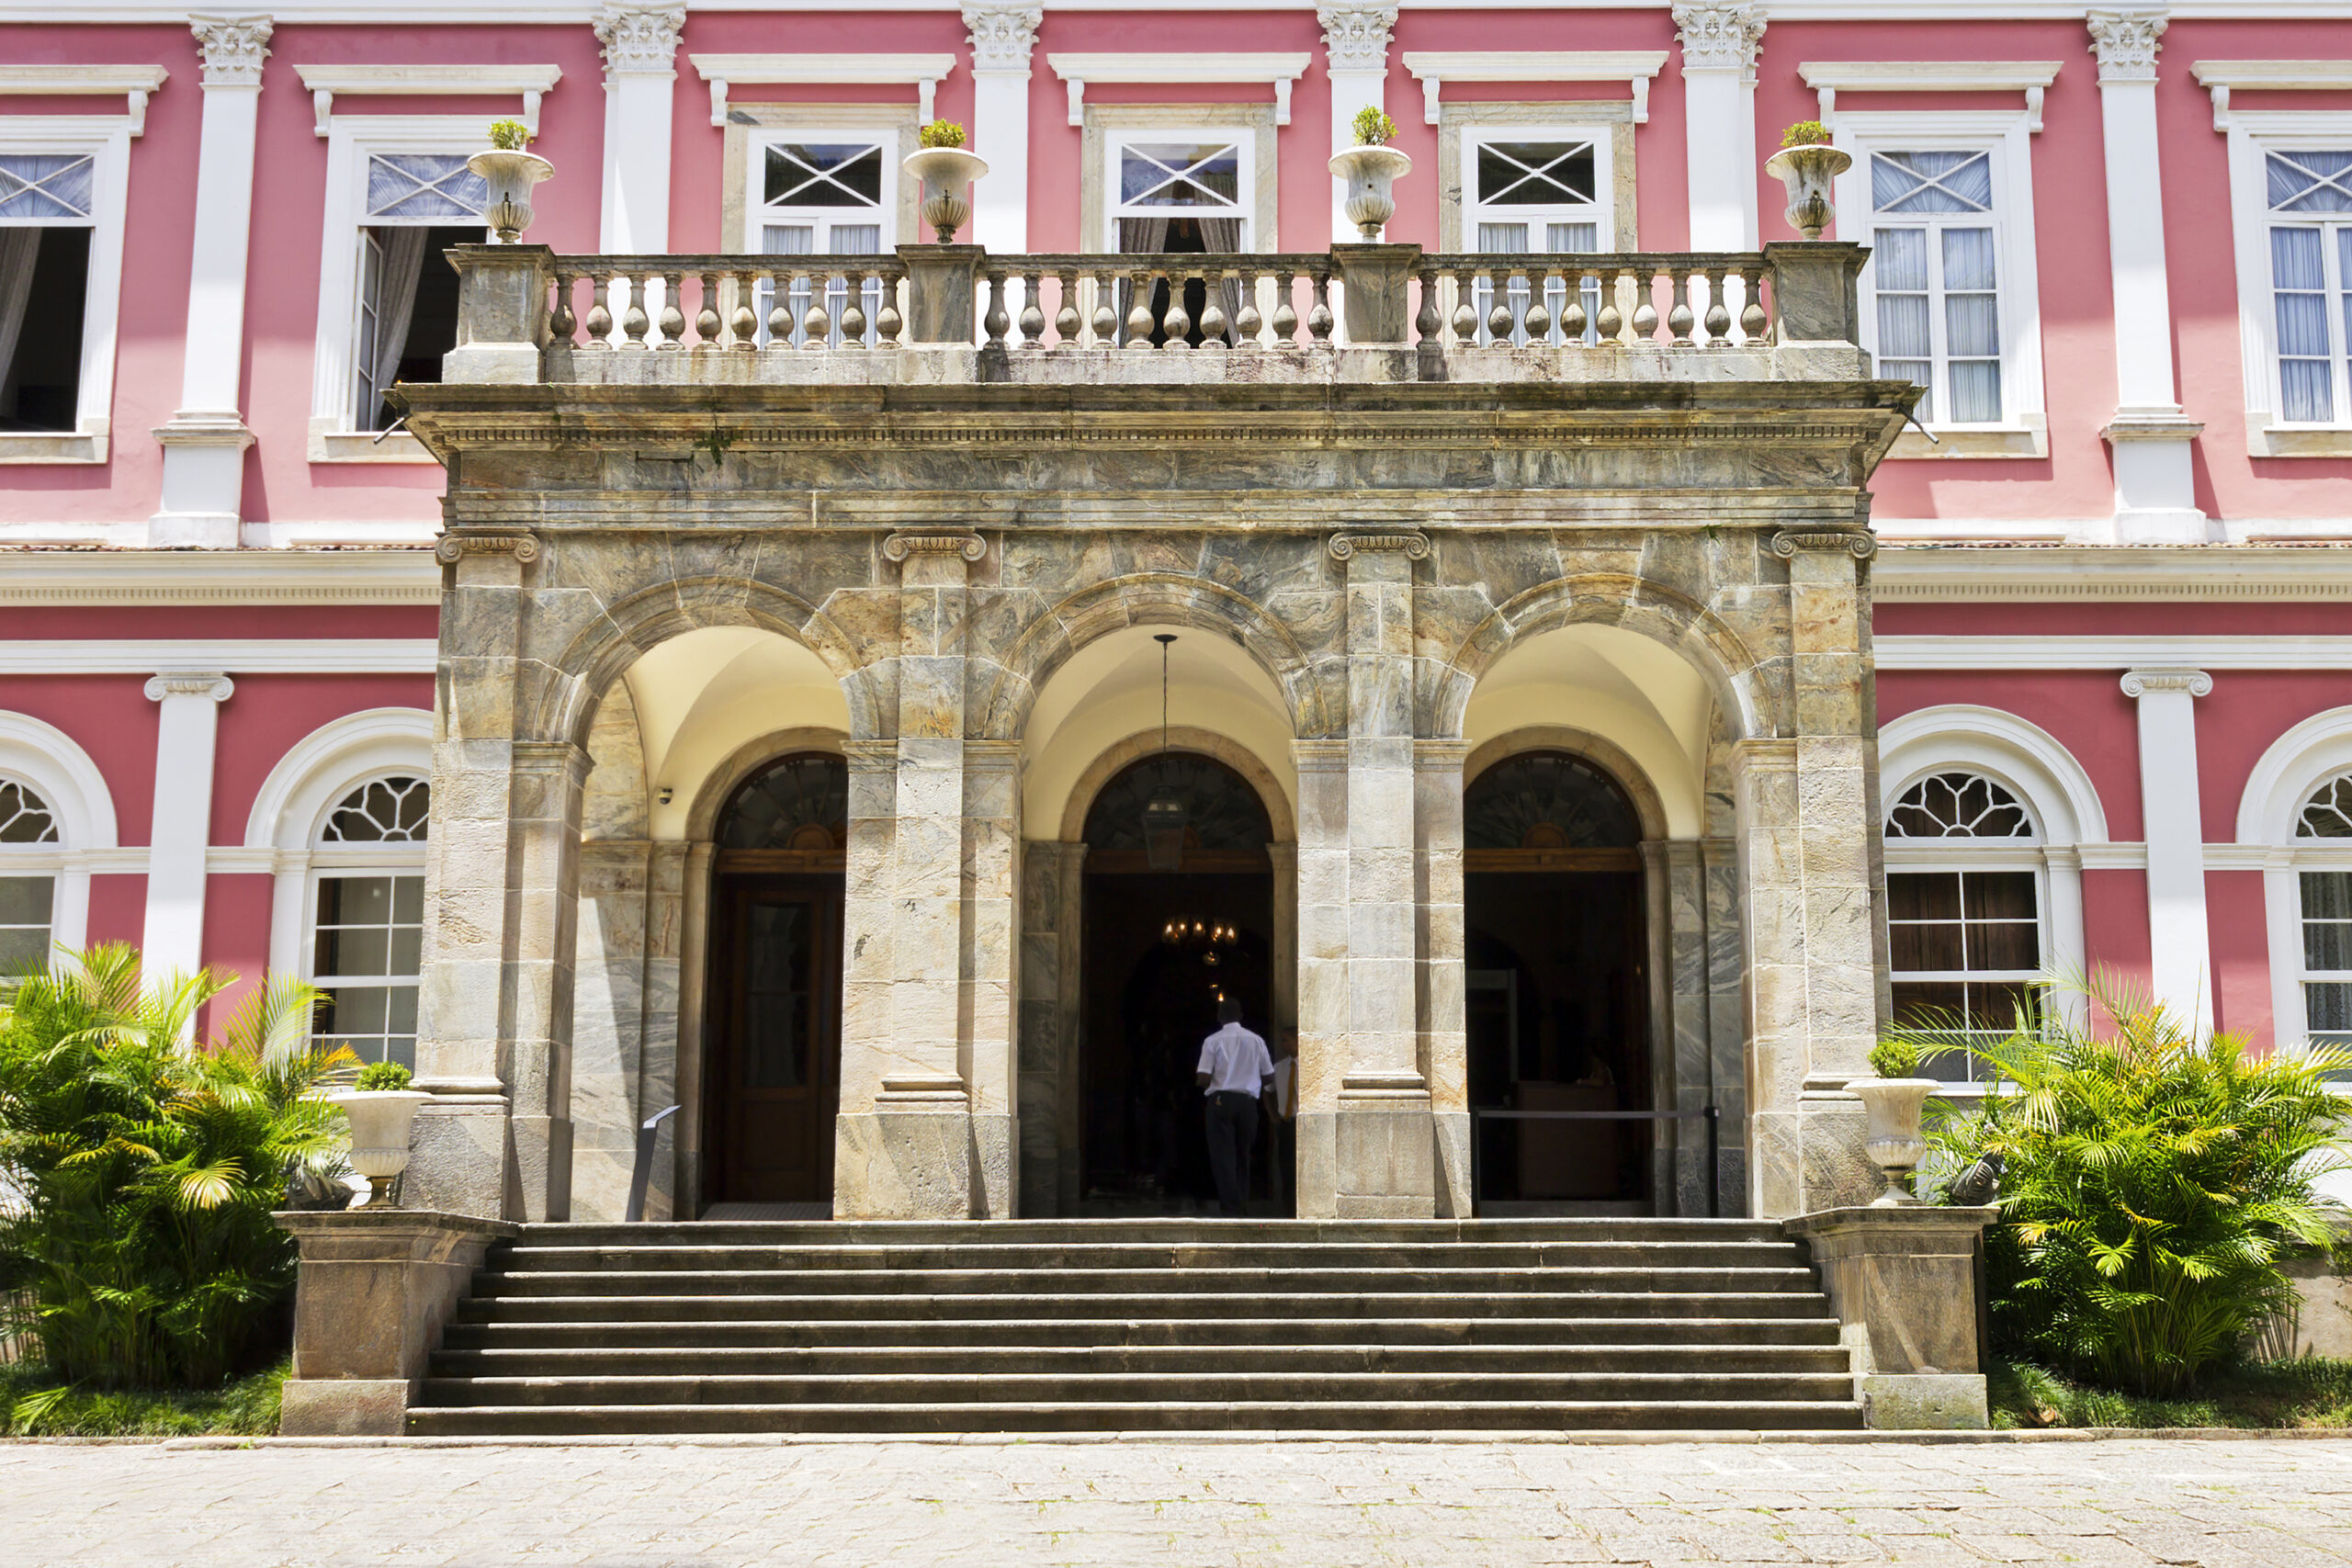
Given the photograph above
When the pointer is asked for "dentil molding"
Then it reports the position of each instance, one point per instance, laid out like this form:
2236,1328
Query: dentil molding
1002,33
2125,42
234,47
1719,35
1356,33
640,39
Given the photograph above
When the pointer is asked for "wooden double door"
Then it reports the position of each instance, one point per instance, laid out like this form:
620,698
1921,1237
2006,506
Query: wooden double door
775,1083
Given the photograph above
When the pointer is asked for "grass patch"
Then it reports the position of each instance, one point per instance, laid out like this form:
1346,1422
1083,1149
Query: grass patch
35,1406
2311,1392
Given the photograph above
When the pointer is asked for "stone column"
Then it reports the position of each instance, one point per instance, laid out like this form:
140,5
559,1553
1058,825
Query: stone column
204,444
904,1147
2179,950
1385,1143
1047,1102
1808,824
1323,1041
608,1040
1726,1022
689,905
187,729
1441,945
1283,859
989,984
1720,40
2156,496
542,904
1676,875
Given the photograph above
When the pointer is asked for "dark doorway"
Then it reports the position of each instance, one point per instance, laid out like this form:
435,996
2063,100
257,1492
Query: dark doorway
773,1083
1163,944
1180,237
1558,986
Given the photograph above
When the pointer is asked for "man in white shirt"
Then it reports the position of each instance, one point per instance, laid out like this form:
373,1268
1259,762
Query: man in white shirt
1235,1070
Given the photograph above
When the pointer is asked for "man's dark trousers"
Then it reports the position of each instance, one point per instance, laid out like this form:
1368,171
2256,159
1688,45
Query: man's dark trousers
1233,1133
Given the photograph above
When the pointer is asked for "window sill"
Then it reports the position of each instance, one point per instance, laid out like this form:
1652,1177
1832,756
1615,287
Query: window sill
2026,441
2299,441
59,446
362,447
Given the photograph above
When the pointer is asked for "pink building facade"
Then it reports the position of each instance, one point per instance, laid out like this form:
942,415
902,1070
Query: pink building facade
2113,582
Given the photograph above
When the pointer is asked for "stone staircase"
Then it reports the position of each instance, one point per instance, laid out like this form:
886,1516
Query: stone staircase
1161,1325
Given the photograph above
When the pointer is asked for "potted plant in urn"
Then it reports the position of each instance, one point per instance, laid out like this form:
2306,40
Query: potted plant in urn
1805,164
381,1108
1894,1101
510,170
1372,168
947,172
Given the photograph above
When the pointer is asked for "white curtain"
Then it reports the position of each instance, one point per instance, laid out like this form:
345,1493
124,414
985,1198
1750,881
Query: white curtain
1137,237
1222,236
404,264
19,247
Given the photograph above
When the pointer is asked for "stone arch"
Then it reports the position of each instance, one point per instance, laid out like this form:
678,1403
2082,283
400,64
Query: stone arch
1183,738
1606,755
719,787
1148,599
602,650
1615,598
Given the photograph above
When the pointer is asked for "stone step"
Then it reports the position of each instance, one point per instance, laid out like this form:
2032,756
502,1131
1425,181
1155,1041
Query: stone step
512,1284
1085,1305
1188,1231
1086,1360
1197,1415
1819,1331
1457,1388
536,1256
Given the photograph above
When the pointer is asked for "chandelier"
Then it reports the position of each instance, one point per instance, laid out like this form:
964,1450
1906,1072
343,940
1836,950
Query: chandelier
1164,813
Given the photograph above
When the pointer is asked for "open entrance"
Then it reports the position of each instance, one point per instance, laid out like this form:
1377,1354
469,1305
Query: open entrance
1552,876
1179,914
773,1072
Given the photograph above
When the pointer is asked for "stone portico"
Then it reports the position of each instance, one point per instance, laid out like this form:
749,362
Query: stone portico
946,525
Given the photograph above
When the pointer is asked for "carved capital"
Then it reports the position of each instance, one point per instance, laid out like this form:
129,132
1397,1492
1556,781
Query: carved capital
936,542
1863,546
1720,35
2139,682
524,548
1356,33
191,683
2125,42
1002,34
640,39
234,47
1414,544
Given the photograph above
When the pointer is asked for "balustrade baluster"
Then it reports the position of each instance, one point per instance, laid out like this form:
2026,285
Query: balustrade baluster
1645,304
1539,305
559,320
1033,310
674,315
780,310
1754,325
1611,322
1718,321
1139,308
1464,323
1318,318
600,314
633,319
1212,322
1067,324
744,320
1104,323
816,324
1426,324
1573,321
1500,317
707,312
854,311
1248,322
1677,315
996,321
1285,307
887,321
1176,325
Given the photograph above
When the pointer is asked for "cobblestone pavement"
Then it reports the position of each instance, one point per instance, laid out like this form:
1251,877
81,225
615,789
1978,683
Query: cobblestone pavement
2218,1504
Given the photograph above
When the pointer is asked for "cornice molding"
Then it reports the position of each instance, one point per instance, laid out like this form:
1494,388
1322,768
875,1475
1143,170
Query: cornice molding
1355,34
922,71
99,578
640,40
2218,76
1634,67
1720,35
2005,652
1002,34
1277,70
2126,43
234,47
1996,574
136,83
2031,77
427,81
257,656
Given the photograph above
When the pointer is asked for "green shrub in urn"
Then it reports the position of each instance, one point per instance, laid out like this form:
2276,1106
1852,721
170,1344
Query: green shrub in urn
379,1076
1805,133
942,133
509,135
1895,1058
1373,127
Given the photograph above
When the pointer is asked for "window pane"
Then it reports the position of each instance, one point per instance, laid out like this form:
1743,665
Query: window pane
2328,894
1502,239
346,950
1923,896
2003,944
353,1009
2310,182
2328,1005
1924,947
354,900
1975,391
823,175
1583,239
24,900
1899,263
23,949
408,899
1931,182
1997,1008
1929,1001
1903,326
2000,896
423,187
46,185
2327,944
1968,264
1535,174
1204,173
857,239
2305,392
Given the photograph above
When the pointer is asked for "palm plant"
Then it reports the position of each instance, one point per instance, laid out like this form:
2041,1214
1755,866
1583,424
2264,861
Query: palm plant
2153,1182
138,1249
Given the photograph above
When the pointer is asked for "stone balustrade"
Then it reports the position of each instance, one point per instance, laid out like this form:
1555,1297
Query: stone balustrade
934,314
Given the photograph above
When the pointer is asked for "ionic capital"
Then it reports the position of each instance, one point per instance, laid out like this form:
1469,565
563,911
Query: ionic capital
1002,33
2126,43
1787,543
234,47
524,548
1356,33
640,40
2139,682
1414,543
1720,35
963,542
191,683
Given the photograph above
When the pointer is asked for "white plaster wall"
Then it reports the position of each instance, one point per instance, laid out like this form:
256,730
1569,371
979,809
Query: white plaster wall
1110,690
701,695
1620,686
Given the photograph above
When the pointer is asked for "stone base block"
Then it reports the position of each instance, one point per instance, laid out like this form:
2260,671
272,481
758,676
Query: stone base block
1353,1206
1948,1401
994,1185
1384,1161
542,1168
492,365
1455,1201
903,1164
1902,1282
1318,1189
456,1162
344,1407
1810,1160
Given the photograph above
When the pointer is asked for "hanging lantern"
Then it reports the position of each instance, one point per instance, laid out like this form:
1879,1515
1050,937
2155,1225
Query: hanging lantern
1164,813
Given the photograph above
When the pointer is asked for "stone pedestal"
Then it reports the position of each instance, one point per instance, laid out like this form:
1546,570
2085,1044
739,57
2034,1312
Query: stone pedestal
1904,1284
375,1288
502,314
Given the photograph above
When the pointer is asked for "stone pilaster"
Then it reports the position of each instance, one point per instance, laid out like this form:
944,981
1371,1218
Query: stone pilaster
683,894
1046,1101
609,1045
989,984
1441,944
1676,887
1808,823
543,905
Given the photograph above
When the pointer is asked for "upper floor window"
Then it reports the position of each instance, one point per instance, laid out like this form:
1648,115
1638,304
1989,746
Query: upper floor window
1964,926
2309,206
1537,192
367,933
47,217
419,204
1181,193
27,902
2324,904
819,194
1936,253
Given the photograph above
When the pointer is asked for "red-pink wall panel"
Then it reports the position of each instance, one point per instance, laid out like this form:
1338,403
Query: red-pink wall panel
2240,938
117,908
236,937
2249,709
271,713
110,717
2085,709
2115,923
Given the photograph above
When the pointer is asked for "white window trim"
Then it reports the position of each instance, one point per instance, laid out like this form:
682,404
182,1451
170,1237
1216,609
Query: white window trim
921,72
1600,133
756,215
1434,67
2252,137
2295,765
63,774
351,141
106,140
531,82
2008,134
1277,70
353,860
1244,139
1828,78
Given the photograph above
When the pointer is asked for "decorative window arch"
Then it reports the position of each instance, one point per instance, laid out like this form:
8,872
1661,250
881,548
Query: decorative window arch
56,827
27,896
1990,820
2295,822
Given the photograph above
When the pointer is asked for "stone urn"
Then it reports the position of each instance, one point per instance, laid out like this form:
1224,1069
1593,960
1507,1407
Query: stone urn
510,176
1806,172
947,175
1372,174
381,1120
1893,1106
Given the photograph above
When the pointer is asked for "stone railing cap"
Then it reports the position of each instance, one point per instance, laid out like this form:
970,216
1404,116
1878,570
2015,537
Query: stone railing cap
1926,1217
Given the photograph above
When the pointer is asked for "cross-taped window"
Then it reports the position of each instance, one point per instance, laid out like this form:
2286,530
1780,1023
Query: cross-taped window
1965,936
47,206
